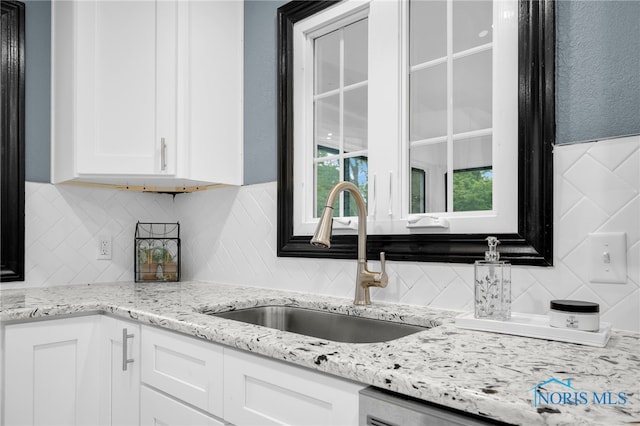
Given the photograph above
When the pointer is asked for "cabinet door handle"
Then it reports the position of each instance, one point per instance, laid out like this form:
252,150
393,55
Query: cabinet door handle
125,339
163,154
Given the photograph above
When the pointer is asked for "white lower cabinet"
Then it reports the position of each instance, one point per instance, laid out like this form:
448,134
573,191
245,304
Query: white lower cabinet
51,372
261,391
120,369
99,370
159,409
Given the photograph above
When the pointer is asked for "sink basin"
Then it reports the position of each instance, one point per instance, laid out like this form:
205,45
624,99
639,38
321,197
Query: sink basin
324,325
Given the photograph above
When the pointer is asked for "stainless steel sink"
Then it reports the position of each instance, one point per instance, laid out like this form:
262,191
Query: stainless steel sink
324,325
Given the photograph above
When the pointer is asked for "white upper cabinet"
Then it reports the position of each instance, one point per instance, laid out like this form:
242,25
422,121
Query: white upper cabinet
147,93
125,87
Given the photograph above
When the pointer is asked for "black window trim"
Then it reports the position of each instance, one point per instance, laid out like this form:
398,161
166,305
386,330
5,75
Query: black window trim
532,244
12,165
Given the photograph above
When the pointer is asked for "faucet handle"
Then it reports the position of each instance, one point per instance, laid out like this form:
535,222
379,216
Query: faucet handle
382,278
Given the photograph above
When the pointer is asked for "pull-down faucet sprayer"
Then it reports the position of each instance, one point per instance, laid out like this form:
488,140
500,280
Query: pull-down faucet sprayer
322,238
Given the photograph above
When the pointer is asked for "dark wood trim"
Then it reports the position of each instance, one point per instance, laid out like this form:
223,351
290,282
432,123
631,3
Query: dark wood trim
532,244
12,159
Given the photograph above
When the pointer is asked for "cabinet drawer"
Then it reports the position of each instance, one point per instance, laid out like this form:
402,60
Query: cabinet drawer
159,409
184,367
261,391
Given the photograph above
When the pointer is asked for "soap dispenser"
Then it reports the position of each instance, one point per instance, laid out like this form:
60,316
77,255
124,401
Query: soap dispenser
492,285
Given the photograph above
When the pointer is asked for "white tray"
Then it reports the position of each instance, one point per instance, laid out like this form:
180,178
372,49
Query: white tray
530,325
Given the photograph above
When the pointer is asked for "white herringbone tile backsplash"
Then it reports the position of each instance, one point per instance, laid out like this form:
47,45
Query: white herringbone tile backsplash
229,236
63,224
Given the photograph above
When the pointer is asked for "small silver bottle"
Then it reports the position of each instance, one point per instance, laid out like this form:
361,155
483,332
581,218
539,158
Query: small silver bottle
492,285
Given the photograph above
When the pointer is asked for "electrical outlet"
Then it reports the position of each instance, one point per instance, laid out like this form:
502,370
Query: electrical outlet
608,257
104,248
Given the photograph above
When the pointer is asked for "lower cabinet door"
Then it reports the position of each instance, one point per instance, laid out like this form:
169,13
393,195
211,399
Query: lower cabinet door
261,391
120,367
159,409
52,372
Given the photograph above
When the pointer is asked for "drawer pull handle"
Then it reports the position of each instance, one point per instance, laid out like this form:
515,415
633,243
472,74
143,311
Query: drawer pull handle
125,339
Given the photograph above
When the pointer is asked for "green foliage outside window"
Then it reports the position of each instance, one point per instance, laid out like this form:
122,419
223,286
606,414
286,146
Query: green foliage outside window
328,174
472,190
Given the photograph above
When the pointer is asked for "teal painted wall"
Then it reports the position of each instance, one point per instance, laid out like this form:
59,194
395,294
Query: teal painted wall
37,90
260,132
597,69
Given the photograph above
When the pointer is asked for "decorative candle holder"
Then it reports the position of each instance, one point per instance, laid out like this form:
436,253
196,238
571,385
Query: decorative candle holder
157,252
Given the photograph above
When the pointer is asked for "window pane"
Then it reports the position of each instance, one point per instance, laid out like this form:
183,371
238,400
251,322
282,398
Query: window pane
472,153
417,190
472,176
432,159
340,119
356,171
428,103
472,24
472,190
428,30
355,119
327,175
327,62
356,52
472,92
327,122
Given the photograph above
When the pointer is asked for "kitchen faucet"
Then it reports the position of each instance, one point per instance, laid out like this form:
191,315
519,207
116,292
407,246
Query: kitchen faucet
322,238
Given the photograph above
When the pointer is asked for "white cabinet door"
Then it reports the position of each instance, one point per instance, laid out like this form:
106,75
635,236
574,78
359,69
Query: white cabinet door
261,391
147,93
159,409
52,372
125,86
210,80
184,367
120,369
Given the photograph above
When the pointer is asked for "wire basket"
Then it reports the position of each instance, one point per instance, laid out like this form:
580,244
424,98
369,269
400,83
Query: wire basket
157,252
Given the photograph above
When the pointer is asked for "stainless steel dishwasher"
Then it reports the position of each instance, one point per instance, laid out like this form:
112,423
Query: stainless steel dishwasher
384,408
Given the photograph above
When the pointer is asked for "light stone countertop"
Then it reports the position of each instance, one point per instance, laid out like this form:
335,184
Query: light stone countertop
479,372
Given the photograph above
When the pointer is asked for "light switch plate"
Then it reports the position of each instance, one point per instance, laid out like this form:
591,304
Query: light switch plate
608,257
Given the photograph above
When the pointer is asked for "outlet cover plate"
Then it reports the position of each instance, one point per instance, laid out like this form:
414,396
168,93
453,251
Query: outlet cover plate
608,257
104,248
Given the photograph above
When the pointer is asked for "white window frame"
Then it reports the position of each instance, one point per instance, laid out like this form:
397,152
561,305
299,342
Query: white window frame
388,164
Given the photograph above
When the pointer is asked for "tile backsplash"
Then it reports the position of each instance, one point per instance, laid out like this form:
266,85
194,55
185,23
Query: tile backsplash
63,224
229,236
